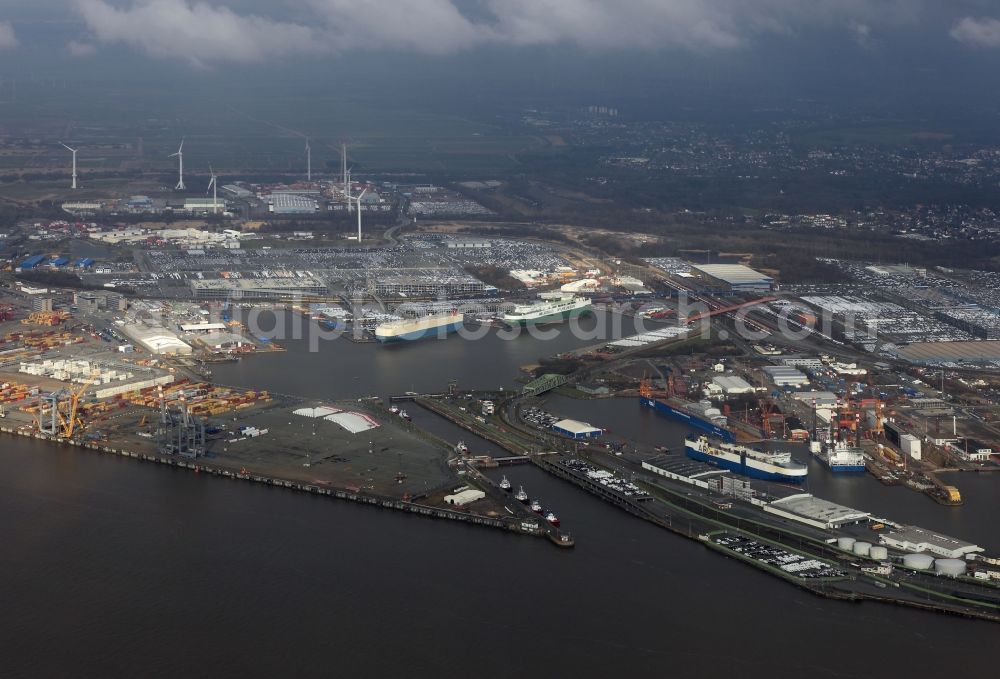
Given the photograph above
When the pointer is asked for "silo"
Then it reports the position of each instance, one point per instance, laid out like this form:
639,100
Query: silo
918,562
846,544
862,548
878,552
950,567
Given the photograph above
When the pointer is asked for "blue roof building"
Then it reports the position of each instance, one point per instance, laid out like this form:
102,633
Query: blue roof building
576,430
32,262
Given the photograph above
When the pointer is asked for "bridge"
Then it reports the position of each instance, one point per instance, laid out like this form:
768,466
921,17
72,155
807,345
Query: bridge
728,309
546,382
521,459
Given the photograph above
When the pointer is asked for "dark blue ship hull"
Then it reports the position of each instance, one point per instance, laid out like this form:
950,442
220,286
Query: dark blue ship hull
690,420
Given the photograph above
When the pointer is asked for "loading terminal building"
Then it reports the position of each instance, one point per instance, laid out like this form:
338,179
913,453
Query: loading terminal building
157,340
816,512
684,469
786,376
430,284
914,539
292,204
732,278
733,385
576,430
267,288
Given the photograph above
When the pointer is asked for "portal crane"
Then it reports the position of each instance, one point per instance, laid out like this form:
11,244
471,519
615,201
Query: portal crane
72,420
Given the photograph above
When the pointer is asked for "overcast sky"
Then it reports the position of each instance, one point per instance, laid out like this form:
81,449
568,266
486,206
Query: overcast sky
957,41
205,32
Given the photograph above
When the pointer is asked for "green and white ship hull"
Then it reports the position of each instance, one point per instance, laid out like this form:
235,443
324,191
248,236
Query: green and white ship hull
548,312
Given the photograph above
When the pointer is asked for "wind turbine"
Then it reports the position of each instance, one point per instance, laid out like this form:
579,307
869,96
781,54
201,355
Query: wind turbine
363,192
343,163
180,166
347,189
73,186
214,186
345,173
309,163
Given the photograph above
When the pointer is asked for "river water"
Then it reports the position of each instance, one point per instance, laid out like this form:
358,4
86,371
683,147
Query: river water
975,521
340,368
111,567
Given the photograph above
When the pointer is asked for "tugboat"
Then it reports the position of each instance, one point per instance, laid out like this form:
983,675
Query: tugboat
461,448
536,506
394,409
520,495
552,518
504,484
405,415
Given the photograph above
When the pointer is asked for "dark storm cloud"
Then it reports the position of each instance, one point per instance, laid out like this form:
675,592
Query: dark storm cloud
209,32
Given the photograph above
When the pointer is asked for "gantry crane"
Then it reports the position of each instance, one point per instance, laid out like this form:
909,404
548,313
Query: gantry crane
769,412
73,420
61,417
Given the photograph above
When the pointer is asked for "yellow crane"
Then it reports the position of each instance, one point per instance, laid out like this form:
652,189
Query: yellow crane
71,421
879,428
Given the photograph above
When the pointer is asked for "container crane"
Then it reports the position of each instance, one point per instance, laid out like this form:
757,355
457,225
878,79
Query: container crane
73,420
769,412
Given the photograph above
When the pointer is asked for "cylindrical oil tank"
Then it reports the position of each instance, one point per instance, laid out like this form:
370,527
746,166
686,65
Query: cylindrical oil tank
950,567
878,552
862,548
846,544
918,562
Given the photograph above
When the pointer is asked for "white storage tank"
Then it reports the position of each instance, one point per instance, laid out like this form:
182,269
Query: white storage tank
950,567
878,552
862,548
918,562
846,544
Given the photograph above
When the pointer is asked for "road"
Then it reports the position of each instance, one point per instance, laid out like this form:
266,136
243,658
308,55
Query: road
393,231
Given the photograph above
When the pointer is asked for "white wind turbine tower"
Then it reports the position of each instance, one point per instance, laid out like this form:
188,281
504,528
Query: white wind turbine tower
346,174
362,195
343,163
180,167
309,162
214,186
348,190
73,151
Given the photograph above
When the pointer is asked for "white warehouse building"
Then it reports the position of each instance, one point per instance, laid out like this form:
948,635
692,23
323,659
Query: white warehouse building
292,204
157,340
732,385
917,540
786,376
